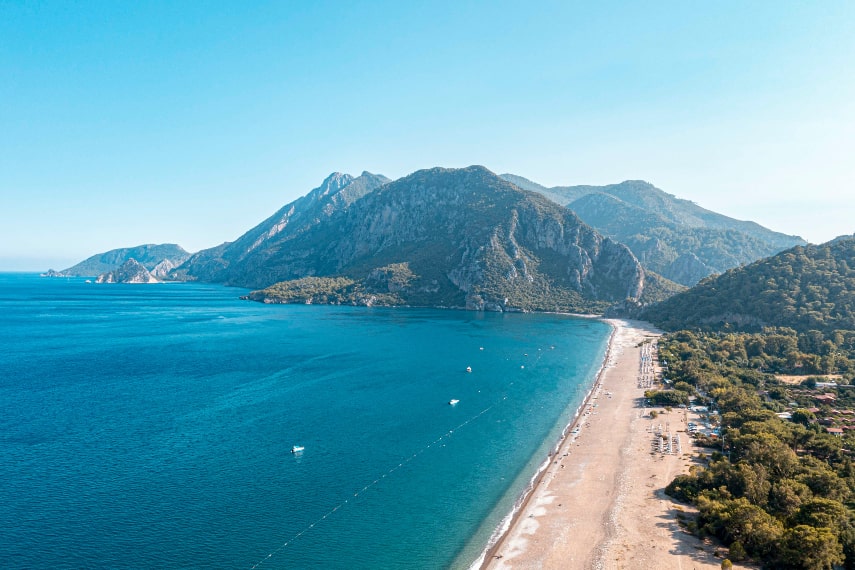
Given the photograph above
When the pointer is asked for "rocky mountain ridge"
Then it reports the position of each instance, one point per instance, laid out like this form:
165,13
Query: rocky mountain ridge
230,262
450,237
673,237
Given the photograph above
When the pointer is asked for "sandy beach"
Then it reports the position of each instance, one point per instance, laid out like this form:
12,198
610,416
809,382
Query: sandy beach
599,504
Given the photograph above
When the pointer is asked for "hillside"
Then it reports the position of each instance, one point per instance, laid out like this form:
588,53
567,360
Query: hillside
448,237
234,262
673,237
148,255
804,288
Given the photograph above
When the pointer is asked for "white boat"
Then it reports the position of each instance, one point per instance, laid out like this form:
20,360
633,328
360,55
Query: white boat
297,449
452,402
468,369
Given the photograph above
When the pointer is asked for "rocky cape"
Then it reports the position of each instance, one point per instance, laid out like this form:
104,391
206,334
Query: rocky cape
130,271
147,255
673,237
439,237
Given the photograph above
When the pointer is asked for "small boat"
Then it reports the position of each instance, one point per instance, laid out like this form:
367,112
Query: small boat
468,369
297,449
452,402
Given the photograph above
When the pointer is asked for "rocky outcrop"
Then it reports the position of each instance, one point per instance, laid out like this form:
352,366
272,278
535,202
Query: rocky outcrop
688,268
130,271
162,269
455,237
53,273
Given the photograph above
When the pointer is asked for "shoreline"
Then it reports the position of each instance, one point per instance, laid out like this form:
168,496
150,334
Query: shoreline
599,502
502,531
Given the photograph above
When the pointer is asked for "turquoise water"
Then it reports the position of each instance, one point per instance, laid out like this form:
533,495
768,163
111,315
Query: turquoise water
151,426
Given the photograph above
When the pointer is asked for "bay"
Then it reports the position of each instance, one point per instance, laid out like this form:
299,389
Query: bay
151,426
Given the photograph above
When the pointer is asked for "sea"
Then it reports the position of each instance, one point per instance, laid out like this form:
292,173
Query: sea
147,426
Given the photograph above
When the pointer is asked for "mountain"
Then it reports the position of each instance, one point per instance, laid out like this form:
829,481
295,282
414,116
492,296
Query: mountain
148,256
130,271
673,237
446,237
233,262
803,288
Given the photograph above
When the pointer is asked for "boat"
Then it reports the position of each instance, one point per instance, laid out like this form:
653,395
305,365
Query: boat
468,369
452,402
297,449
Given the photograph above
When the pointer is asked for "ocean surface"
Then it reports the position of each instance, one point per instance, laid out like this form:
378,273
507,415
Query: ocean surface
151,426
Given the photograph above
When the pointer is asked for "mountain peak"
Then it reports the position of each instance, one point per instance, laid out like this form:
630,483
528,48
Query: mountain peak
639,184
333,184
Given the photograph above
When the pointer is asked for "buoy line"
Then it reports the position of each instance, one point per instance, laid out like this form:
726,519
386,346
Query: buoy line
375,482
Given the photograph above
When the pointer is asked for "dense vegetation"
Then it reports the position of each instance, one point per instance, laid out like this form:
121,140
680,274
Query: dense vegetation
774,490
805,288
777,488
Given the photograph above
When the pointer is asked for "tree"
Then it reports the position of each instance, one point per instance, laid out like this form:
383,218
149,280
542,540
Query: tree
808,548
726,564
737,551
803,417
820,512
809,383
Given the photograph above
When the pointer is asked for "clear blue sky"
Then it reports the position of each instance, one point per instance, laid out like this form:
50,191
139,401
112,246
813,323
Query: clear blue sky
124,123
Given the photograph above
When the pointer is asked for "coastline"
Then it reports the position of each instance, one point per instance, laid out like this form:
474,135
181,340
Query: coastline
599,502
509,521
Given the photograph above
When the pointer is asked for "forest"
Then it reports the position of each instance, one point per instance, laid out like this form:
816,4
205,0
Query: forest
777,491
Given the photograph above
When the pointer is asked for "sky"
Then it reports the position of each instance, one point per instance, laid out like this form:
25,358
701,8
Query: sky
123,123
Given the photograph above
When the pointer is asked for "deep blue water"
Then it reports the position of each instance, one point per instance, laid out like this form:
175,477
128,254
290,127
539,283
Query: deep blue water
151,426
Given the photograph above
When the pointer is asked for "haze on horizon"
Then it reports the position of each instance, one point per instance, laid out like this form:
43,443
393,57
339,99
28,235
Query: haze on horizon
125,124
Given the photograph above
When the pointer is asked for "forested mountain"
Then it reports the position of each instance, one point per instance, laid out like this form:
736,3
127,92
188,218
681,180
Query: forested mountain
148,255
673,237
804,288
442,237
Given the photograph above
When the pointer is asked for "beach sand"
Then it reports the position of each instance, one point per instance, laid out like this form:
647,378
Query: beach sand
599,504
